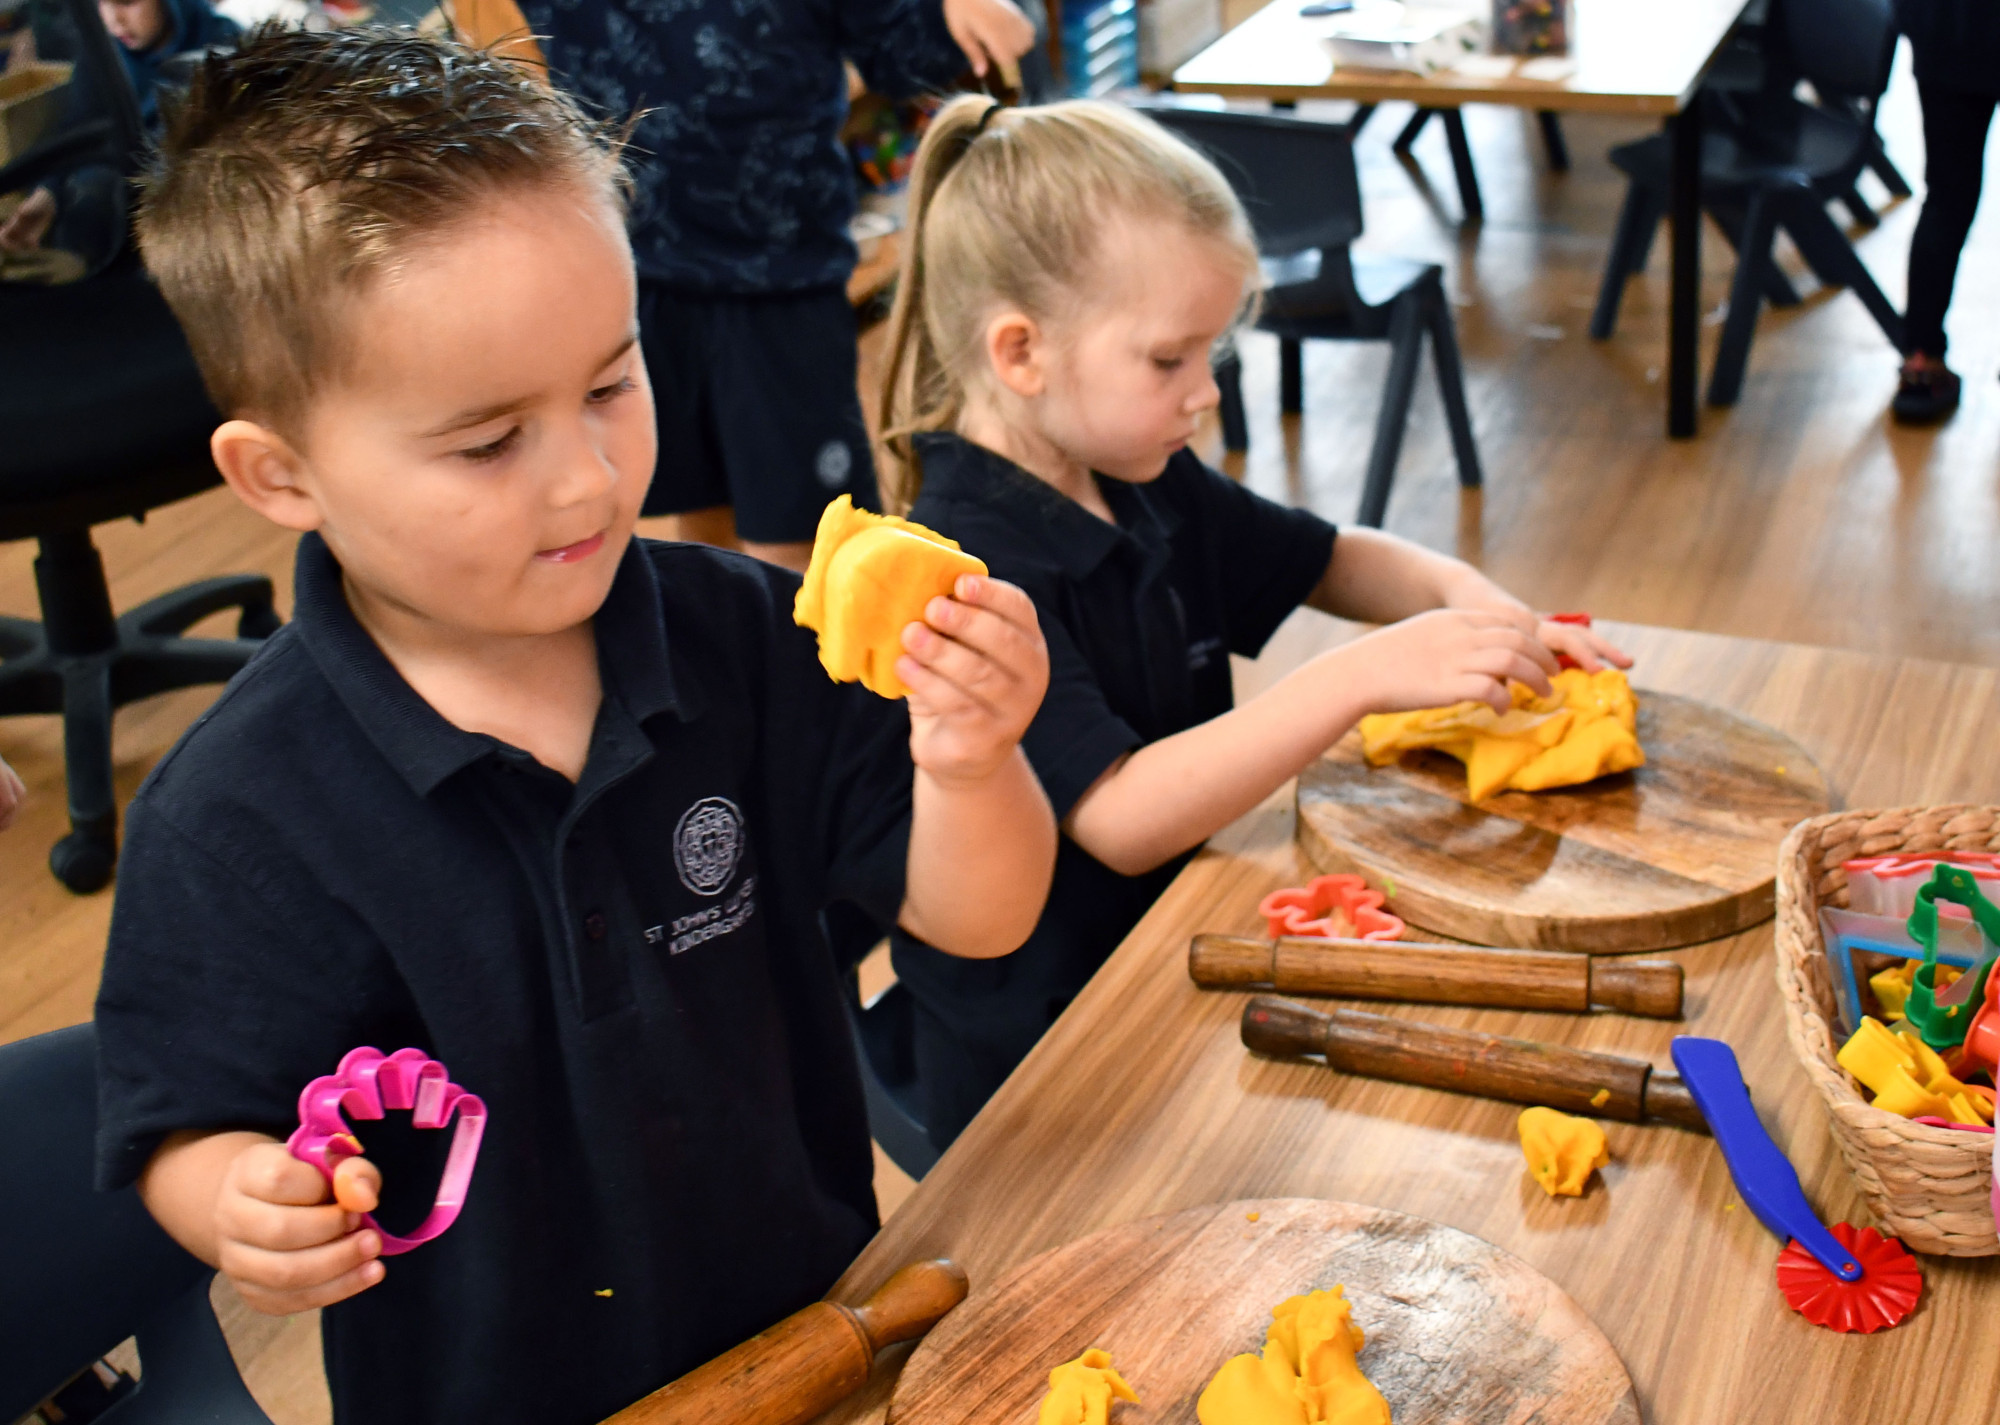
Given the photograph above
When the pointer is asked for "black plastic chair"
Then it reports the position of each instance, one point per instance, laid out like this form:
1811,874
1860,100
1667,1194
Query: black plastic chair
1770,161
86,1270
885,1039
104,418
1297,180
1473,206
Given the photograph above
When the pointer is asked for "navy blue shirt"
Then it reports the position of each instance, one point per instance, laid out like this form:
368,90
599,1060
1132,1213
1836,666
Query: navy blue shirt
1140,619
741,183
629,970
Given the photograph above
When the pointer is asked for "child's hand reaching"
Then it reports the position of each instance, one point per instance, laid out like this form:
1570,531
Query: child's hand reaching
976,669
1452,656
281,1241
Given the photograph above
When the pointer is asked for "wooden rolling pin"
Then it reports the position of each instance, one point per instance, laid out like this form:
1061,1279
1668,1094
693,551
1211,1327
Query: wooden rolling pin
807,1363
1466,1061
1439,974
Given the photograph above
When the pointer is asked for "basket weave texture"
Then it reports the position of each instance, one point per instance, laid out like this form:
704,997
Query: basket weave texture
1932,1187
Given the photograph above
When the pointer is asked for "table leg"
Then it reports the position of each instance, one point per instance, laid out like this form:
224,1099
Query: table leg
1461,164
1684,299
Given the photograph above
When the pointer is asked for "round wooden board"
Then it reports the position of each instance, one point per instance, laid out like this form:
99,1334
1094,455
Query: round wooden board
1682,850
1458,1331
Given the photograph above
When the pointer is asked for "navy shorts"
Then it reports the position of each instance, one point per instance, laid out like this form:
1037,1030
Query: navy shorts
757,408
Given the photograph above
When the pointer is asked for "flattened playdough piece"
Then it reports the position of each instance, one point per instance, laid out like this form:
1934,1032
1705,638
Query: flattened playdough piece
1585,730
1307,1373
1081,1391
870,577
1562,1151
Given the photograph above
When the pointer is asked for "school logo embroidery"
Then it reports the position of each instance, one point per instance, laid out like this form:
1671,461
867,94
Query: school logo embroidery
833,463
708,842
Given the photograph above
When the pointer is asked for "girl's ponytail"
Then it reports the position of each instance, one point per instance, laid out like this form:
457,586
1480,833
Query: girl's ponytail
918,393
1008,209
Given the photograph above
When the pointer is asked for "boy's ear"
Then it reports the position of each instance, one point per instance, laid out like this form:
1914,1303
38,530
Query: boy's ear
265,471
1014,351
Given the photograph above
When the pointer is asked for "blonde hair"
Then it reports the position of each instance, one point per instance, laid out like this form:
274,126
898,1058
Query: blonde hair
1010,207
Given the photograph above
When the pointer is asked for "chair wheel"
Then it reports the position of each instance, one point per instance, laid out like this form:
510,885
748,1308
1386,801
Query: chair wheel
258,622
83,860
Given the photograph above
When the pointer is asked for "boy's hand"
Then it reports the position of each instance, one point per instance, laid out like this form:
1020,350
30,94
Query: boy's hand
283,1244
28,224
1452,656
991,32
12,793
1590,649
976,669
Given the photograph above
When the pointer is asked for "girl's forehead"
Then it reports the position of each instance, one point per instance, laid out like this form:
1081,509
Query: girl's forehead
1162,277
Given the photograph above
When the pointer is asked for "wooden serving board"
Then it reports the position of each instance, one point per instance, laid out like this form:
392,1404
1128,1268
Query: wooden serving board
1681,850
1458,1330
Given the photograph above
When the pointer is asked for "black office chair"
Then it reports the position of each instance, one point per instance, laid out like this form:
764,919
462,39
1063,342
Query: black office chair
104,418
1770,161
86,1270
1297,180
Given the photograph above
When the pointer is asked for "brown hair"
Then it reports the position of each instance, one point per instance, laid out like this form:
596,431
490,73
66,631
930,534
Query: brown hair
299,167
1009,206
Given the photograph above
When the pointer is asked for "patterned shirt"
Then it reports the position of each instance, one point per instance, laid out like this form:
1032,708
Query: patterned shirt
742,185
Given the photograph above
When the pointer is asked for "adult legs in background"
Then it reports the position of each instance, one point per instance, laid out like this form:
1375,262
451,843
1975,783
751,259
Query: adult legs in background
1955,128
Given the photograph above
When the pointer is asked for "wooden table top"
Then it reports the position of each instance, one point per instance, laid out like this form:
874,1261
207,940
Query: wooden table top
1142,1099
1626,57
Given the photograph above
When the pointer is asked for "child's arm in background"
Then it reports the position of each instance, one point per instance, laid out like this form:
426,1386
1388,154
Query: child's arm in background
908,47
242,1203
982,837
12,793
1453,635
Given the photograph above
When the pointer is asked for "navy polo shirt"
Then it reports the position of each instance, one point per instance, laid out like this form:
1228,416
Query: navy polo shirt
1140,618
629,970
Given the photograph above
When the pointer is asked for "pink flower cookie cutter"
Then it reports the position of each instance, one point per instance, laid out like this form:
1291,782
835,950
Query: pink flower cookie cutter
366,1085
1320,907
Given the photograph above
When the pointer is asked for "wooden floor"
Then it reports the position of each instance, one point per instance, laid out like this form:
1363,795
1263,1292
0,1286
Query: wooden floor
1802,514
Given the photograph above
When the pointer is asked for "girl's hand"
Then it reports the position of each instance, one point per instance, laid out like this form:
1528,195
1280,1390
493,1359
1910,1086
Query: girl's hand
1451,656
991,32
12,793
976,669
28,224
1591,650
281,1241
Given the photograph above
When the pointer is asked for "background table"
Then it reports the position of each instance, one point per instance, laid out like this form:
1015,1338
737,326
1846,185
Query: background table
1142,1100
1629,57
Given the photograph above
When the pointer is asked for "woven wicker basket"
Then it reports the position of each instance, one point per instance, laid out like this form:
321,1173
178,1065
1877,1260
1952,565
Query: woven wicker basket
1929,1186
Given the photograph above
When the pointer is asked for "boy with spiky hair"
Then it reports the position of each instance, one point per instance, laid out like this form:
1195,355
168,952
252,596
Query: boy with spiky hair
558,807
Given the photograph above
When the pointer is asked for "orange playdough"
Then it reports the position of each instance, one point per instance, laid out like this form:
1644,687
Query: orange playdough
1306,1375
870,577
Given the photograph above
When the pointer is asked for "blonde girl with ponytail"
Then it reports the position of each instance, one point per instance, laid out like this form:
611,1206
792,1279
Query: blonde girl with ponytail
1069,271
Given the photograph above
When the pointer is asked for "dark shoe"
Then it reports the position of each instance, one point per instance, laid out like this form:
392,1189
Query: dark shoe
1928,393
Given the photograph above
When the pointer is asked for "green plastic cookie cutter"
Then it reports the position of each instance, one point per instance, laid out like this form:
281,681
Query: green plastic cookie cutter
1943,1026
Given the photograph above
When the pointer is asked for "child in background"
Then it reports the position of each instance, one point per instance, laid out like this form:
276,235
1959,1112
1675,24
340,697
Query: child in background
89,202
1069,271
559,807
743,196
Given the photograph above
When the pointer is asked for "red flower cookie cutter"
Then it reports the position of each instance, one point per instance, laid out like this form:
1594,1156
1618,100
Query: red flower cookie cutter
1312,909
1563,660
367,1084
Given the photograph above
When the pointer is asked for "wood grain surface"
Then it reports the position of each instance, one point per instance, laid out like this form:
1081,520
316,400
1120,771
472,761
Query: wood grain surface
1626,57
1457,1330
1142,1100
1681,850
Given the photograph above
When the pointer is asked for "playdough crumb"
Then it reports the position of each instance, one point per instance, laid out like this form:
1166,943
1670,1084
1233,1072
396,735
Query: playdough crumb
1562,1151
602,1291
1600,1098
1081,1391
870,577
1252,1216
1305,1376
